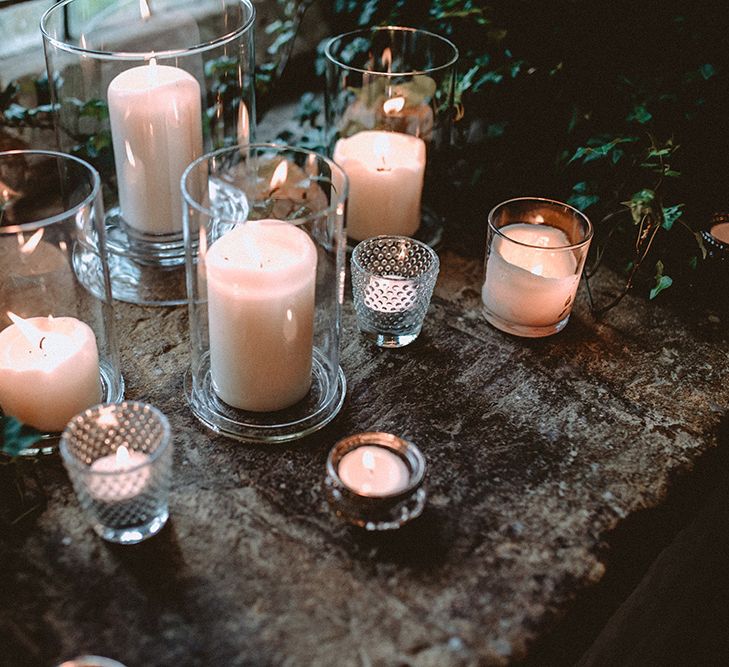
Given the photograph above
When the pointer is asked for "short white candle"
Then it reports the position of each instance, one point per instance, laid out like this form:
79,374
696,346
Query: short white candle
109,480
371,470
156,129
526,283
390,294
49,370
385,171
261,279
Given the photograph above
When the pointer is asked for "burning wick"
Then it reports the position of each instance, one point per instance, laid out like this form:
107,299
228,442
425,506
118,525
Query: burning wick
280,174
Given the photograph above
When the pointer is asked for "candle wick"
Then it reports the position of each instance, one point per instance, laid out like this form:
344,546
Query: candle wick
40,345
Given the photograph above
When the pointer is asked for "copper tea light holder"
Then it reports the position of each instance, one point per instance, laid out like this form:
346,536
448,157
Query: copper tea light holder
371,511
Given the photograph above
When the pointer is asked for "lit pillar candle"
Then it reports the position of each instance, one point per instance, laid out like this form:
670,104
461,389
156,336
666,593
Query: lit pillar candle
373,471
385,171
49,370
526,282
156,129
120,476
261,279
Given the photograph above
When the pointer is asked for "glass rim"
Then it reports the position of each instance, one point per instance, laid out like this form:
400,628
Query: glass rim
190,200
550,202
144,56
72,460
58,217
396,237
369,31
406,449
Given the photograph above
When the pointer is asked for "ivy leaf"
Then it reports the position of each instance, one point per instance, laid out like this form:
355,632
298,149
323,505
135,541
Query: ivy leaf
16,436
707,70
641,204
639,114
662,281
670,215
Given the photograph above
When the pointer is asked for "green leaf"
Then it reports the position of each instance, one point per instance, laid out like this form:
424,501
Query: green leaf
16,436
662,282
707,70
670,215
639,114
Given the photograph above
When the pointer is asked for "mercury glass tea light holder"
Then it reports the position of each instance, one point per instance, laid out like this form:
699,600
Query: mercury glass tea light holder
119,459
392,282
376,480
143,87
535,253
265,249
389,112
58,348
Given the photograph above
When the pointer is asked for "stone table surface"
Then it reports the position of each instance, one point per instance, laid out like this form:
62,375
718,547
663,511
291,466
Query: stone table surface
536,450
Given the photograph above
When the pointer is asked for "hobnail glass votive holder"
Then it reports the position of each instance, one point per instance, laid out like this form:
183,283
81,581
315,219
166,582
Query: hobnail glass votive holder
376,480
91,661
389,114
535,252
119,458
58,348
145,87
392,282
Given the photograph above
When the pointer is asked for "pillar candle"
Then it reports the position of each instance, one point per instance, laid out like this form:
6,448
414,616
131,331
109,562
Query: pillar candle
371,470
385,171
261,279
49,370
526,282
156,129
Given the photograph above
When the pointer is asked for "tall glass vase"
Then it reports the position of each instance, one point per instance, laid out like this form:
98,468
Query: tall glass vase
141,88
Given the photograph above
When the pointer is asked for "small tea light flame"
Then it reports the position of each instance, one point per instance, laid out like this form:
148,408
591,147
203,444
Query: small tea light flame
381,151
393,105
280,175
122,457
244,124
27,247
386,58
144,11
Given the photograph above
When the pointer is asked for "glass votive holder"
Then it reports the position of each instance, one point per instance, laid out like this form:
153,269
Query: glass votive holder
389,112
376,480
143,88
119,459
535,252
392,282
58,348
716,238
266,264
90,661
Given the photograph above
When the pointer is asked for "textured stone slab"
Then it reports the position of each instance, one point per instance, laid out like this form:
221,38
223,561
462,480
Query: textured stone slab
535,450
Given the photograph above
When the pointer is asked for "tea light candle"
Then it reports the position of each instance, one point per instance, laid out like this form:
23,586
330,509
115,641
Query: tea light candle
526,283
385,171
373,471
114,483
49,370
156,128
390,294
261,279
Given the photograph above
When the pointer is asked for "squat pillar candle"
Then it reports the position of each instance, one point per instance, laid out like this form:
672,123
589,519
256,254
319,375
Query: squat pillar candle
261,279
49,370
156,129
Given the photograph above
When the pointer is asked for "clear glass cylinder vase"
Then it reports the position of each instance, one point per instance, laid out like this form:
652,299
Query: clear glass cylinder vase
58,349
141,88
389,112
265,269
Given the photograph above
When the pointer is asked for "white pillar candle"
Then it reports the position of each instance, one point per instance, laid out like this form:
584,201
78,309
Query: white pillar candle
371,470
156,129
385,171
526,283
261,279
49,370
113,483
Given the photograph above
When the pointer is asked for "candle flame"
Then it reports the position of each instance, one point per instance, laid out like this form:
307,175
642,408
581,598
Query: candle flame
368,460
31,333
122,456
381,150
144,11
244,124
32,243
279,175
393,105
386,58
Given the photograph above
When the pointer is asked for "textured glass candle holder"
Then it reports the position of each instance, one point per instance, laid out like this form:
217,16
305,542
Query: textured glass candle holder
58,348
535,253
266,251
119,458
367,510
392,282
144,88
91,661
389,113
